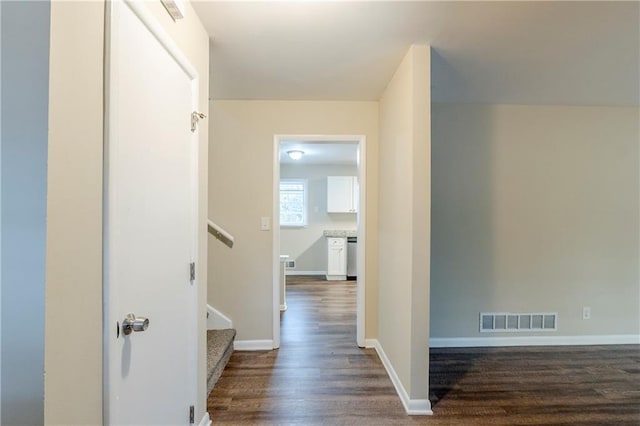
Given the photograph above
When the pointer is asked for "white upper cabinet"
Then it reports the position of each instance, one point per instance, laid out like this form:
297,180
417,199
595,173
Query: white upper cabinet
342,194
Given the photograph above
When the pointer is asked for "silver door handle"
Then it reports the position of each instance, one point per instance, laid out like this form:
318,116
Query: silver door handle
133,323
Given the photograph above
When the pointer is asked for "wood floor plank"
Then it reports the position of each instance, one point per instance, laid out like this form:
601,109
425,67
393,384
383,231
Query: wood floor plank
320,377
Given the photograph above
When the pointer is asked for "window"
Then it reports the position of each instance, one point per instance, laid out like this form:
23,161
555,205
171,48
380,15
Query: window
293,202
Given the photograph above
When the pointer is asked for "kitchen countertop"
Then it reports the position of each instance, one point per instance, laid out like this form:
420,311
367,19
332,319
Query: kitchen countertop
340,233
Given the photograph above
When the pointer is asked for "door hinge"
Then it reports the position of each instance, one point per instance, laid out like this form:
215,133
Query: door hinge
192,271
195,117
192,414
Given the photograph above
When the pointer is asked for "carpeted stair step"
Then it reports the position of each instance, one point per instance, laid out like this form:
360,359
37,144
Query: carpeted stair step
219,350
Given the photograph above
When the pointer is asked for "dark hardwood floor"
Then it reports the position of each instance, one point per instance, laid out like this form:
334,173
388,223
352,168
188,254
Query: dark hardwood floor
566,385
320,376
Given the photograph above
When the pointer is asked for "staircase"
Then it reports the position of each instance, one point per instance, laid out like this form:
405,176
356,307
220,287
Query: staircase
220,339
219,350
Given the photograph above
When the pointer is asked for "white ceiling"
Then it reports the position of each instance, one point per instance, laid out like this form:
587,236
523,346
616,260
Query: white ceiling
344,153
583,53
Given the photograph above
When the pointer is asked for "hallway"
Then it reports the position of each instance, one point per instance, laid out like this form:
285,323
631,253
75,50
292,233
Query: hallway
318,376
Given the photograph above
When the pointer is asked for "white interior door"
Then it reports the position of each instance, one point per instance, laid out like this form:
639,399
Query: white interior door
150,223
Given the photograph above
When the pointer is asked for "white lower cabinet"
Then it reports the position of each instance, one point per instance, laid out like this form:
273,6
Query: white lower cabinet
336,259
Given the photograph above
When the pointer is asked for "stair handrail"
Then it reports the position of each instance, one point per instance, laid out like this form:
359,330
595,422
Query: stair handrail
218,232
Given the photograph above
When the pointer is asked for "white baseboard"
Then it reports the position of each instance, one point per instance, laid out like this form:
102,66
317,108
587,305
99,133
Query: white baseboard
336,277
283,307
216,320
470,342
413,407
253,345
370,343
206,421
295,272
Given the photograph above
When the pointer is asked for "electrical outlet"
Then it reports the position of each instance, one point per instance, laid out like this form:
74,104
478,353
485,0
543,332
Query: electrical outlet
586,312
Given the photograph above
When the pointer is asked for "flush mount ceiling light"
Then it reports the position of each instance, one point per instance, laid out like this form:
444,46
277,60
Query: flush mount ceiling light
295,154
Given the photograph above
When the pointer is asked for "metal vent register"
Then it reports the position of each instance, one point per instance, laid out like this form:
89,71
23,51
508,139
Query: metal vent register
518,322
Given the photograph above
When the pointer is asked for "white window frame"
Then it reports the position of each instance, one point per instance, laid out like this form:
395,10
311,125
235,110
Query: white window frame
305,194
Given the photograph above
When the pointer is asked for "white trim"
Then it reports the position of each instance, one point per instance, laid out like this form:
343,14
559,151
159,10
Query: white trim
470,342
361,226
253,345
370,343
206,420
162,36
283,307
276,243
336,277
216,320
362,241
413,407
1,232
306,273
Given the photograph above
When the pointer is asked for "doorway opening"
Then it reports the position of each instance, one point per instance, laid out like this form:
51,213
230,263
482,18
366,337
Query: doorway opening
320,147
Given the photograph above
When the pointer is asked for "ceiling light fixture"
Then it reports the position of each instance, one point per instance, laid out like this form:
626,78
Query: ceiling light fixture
295,154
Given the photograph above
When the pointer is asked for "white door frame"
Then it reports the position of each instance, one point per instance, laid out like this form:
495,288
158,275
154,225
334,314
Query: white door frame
0,241
150,22
361,140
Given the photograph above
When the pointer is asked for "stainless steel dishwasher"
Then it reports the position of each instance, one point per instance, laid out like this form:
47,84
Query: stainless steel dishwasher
352,258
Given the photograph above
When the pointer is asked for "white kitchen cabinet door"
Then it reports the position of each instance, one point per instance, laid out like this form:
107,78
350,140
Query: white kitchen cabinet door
337,259
342,194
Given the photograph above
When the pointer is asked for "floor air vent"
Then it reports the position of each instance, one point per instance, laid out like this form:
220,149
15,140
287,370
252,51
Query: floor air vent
290,264
512,322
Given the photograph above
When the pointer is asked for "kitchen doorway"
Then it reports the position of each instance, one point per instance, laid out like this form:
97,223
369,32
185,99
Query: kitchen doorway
313,145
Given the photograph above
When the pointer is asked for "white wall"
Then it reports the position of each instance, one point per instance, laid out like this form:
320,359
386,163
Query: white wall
74,224
535,208
24,108
404,235
241,164
307,245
